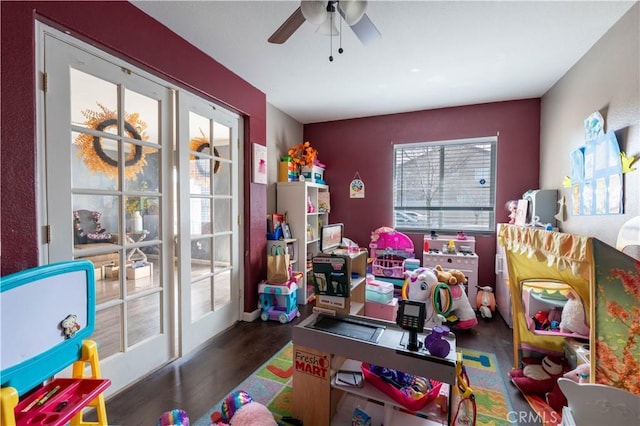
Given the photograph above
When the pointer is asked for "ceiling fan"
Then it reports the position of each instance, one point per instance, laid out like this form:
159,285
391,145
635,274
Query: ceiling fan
321,13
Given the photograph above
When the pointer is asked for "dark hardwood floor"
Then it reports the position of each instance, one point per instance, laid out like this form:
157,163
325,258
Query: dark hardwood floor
196,382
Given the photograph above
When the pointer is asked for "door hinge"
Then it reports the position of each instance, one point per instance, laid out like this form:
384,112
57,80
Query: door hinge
44,82
47,234
239,220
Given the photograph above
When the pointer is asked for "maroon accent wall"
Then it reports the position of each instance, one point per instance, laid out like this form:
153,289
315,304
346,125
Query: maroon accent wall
125,31
365,146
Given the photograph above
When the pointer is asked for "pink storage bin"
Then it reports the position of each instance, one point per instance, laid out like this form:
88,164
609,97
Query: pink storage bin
383,311
395,393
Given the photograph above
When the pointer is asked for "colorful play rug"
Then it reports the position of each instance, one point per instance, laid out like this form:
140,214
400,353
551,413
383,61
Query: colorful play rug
271,386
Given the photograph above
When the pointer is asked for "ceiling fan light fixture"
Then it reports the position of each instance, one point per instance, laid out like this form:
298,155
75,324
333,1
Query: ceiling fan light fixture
352,10
328,28
314,11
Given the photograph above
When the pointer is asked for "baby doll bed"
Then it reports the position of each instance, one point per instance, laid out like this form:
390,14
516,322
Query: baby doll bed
605,279
389,249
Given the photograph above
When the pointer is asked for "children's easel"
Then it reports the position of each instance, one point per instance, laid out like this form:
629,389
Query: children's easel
54,305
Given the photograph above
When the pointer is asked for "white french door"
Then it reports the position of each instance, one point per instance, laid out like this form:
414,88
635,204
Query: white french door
124,176
209,199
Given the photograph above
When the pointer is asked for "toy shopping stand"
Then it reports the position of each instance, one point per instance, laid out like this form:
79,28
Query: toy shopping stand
39,340
279,302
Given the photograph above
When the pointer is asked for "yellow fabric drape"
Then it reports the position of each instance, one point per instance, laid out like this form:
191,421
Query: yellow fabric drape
537,256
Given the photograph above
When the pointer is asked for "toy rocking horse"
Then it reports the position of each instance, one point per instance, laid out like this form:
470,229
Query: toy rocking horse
444,302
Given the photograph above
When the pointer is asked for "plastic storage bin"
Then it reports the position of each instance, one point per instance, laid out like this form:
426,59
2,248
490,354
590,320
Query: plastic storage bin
379,291
395,393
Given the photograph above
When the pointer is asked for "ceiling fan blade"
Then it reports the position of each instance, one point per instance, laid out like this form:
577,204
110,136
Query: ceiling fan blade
289,27
365,30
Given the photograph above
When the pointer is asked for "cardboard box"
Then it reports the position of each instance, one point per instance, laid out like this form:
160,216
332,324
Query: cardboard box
111,271
135,273
384,311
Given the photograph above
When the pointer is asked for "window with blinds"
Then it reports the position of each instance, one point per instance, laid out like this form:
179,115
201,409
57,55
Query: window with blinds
445,185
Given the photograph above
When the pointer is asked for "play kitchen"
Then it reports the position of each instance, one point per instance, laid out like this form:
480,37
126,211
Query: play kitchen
453,252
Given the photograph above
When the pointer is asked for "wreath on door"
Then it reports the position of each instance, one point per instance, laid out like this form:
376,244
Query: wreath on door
92,150
202,144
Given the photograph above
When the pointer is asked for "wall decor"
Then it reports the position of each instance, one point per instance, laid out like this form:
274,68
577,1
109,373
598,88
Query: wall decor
259,164
100,159
356,187
596,171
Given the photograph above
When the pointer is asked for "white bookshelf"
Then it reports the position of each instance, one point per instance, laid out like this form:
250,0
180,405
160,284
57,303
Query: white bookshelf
292,199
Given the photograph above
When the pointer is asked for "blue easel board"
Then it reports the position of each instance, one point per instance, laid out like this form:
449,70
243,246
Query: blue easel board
32,305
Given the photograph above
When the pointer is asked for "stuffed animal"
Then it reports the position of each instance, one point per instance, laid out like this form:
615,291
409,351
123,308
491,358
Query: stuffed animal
573,317
173,418
418,286
451,299
538,379
239,409
451,277
555,398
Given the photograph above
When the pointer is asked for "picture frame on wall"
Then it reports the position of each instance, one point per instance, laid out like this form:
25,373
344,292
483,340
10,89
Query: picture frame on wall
259,164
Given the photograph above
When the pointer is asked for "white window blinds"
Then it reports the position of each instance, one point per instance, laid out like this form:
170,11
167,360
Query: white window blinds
445,185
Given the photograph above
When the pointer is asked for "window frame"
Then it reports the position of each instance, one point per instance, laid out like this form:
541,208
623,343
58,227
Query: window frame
490,207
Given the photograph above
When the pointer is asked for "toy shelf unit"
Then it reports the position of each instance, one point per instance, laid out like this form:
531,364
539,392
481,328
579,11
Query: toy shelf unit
38,344
278,302
340,278
462,257
306,215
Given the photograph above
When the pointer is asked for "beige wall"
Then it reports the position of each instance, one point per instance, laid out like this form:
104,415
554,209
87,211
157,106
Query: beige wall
607,80
282,133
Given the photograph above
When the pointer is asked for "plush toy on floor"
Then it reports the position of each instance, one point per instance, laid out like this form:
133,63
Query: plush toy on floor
239,409
556,398
573,317
538,379
173,418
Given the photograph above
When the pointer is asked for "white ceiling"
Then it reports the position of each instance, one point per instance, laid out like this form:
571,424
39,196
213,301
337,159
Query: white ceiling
432,54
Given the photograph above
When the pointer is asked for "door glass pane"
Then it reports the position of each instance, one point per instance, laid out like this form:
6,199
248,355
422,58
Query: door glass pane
93,161
222,215
143,318
201,256
200,216
93,100
199,127
95,220
222,289
142,168
222,153
201,298
222,251
107,277
142,111
108,331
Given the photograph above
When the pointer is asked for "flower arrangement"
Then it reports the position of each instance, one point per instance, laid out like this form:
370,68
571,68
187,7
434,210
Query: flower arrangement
303,154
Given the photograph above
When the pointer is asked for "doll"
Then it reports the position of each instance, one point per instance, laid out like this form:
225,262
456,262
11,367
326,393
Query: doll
512,207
